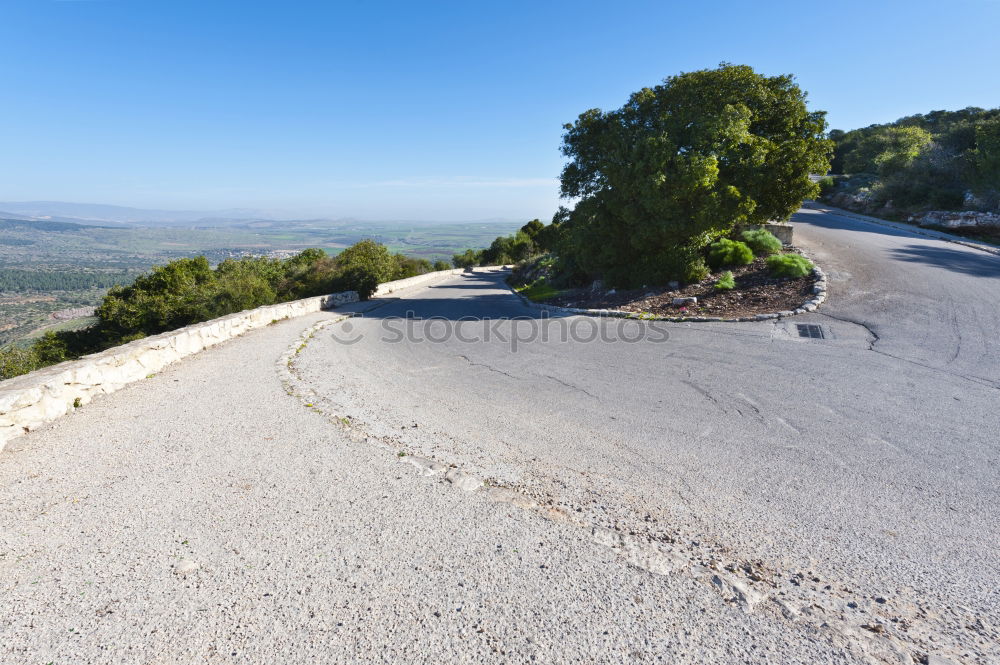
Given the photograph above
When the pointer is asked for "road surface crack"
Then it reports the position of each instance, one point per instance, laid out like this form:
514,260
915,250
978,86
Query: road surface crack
570,385
876,338
489,367
843,319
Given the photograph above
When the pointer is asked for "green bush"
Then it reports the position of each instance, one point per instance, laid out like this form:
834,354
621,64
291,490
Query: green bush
442,265
826,185
469,258
789,265
762,242
407,266
371,257
186,291
726,281
360,278
15,361
728,252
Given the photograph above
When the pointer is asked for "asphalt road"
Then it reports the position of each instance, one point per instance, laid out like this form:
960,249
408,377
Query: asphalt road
655,492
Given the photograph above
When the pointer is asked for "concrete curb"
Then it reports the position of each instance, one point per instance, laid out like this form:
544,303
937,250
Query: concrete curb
900,226
819,296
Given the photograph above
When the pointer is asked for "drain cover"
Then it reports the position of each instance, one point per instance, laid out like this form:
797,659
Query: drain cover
810,330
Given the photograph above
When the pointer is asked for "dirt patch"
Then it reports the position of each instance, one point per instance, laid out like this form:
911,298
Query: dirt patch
756,292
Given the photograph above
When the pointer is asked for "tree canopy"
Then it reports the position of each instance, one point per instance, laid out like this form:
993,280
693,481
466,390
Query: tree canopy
681,164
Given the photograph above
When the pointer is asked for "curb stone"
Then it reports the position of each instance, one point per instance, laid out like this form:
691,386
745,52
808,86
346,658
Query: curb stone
819,290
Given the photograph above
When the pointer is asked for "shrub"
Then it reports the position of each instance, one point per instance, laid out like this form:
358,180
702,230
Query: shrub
369,257
762,242
789,265
727,252
467,259
361,278
826,185
407,266
442,265
15,361
726,281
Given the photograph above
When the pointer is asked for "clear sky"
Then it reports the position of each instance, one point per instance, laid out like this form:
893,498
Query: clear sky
418,110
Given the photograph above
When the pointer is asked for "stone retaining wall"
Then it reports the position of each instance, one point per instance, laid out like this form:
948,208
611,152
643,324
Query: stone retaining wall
954,220
31,400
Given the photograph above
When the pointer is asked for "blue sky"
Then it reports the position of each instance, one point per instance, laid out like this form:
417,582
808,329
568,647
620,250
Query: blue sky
409,110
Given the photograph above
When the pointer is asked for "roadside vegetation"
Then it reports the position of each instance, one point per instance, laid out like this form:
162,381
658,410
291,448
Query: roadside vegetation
942,160
189,290
674,187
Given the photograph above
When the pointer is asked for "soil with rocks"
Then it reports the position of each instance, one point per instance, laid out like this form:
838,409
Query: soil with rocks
756,292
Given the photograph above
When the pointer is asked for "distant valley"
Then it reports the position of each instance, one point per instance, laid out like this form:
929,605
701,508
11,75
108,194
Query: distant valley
58,259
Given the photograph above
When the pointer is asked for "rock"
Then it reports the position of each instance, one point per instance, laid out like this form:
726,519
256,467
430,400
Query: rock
648,556
934,659
954,220
673,286
426,467
504,495
612,292
781,231
737,591
186,567
463,481
690,300
598,285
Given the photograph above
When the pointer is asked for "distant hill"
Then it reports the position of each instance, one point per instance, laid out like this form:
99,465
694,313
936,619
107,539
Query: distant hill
90,213
41,225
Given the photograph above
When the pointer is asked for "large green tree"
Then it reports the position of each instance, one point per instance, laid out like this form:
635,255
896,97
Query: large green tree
681,164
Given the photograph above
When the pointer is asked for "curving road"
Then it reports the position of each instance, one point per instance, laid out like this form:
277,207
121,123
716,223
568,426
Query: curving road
656,492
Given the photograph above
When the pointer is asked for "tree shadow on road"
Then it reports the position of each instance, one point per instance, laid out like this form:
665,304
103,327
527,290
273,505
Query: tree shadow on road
957,260
835,221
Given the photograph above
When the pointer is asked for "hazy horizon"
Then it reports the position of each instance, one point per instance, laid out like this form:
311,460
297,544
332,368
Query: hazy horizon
109,212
